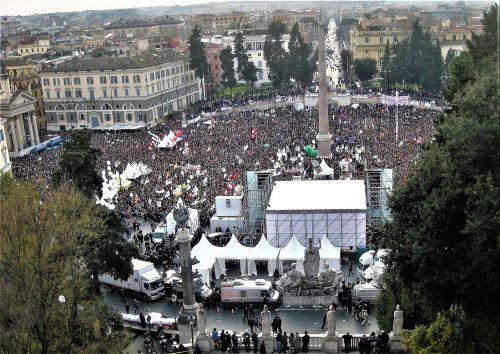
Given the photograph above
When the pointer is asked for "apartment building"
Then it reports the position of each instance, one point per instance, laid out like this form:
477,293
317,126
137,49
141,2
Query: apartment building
212,52
166,26
39,47
369,38
219,22
290,17
118,92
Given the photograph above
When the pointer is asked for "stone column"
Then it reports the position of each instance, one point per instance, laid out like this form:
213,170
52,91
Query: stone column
20,132
14,137
35,129
323,138
30,128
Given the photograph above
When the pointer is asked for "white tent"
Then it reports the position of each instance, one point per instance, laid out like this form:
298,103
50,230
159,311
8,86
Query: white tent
293,251
234,250
330,254
263,251
206,254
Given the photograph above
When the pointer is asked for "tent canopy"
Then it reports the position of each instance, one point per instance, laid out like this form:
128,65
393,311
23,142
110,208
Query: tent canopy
206,253
263,251
292,251
330,254
233,250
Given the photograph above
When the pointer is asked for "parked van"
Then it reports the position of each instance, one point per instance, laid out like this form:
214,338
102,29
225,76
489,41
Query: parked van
371,264
249,292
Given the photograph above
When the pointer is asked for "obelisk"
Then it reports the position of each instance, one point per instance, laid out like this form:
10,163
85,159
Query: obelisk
323,138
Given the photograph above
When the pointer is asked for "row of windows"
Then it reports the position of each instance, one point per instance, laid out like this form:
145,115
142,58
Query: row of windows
83,117
113,79
381,39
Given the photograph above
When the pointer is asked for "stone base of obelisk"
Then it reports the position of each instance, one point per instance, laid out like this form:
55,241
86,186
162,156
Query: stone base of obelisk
185,328
324,146
396,344
268,342
203,341
331,344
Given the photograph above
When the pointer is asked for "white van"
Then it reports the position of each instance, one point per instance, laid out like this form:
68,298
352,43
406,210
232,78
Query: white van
371,264
249,291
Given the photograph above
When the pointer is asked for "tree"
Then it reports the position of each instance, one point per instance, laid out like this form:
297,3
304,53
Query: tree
484,45
77,166
228,79
240,52
443,235
197,58
365,68
275,55
299,52
46,302
249,73
346,61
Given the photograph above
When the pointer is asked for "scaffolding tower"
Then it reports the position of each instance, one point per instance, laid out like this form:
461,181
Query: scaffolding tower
256,196
379,185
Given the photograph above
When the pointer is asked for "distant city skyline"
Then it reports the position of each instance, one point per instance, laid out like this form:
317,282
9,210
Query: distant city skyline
31,7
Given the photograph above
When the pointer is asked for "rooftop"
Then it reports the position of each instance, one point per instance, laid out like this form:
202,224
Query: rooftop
143,23
113,63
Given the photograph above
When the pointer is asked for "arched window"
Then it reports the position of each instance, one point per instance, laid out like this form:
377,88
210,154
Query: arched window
80,107
128,106
60,107
106,107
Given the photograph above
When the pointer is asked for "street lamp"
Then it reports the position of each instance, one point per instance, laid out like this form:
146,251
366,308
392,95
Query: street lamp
191,320
174,302
149,322
385,80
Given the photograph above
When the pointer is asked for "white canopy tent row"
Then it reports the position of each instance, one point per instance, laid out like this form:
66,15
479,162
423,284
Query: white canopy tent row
213,256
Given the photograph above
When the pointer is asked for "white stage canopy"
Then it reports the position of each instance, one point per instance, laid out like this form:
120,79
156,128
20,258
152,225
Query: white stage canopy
293,251
330,254
207,254
306,209
263,251
234,250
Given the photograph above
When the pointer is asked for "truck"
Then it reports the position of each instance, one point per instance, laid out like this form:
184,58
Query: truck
249,292
371,264
145,281
367,291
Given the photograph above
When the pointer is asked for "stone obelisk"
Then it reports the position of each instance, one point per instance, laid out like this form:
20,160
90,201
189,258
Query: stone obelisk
323,138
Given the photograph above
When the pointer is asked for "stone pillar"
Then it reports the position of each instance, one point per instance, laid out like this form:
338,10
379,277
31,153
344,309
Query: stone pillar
30,128
183,238
14,136
35,129
323,138
20,132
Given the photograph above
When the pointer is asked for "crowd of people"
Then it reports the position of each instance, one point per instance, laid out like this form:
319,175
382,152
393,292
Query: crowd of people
212,159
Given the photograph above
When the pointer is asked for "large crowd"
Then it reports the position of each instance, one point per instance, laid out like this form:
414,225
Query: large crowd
212,159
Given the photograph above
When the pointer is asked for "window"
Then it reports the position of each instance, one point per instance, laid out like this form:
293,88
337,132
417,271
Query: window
228,203
46,82
129,116
394,39
259,54
366,51
137,79
140,117
367,40
464,37
381,39
71,117
58,94
126,92
67,94
2,138
137,92
105,93
163,73
125,79
91,95
152,76
61,116
115,92
78,93
90,81
216,67
114,79
259,63
76,81
82,116
118,117
66,81
454,37
243,294
47,94
55,81
51,116
146,286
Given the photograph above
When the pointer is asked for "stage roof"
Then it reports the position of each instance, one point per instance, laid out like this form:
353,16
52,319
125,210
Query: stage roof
341,195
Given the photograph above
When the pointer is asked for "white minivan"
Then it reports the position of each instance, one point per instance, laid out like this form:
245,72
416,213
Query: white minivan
249,291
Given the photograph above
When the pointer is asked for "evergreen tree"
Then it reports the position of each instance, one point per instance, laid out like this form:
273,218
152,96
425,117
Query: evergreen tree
298,52
365,68
249,73
228,74
197,58
275,55
240,52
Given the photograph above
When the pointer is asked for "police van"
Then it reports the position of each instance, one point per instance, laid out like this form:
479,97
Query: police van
249,292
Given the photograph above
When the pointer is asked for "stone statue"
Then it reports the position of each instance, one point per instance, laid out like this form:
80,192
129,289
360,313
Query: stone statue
181,215
327,276
311,260
265,316
397,325
331,323
201,318
292,278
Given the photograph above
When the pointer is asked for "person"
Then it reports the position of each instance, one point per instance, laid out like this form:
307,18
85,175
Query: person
136,306
251,323
347,338
364,345
255,342
216,338
276,274
324,321
262,349
383,338
350,269
297,342
245,312
223,341
279,341
142,319
274,325
284,342
127,308
365,318
246,340
278,322
234,341
305,342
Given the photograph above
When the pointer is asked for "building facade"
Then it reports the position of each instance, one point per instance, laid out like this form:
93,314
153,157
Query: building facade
18,126
368,40
40,47
167,26
118,92
219,22
212,52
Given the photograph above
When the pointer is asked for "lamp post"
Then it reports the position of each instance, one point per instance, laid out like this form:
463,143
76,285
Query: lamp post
174,302
385,80
191,320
